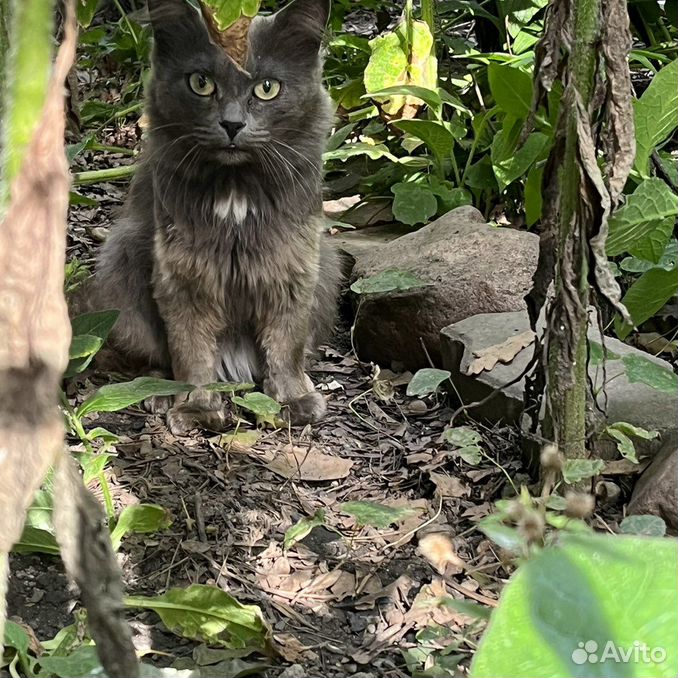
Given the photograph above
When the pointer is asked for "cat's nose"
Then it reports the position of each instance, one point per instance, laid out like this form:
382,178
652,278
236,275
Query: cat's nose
232,127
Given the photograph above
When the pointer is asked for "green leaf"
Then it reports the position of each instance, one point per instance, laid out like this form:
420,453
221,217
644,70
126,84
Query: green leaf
510,162
86,9
597,355
16,637
576,470
401,57
139,519
631,430
644,371
461,436
585,589
229,387
643,226
466,607
92,464
208,614
668,261
261,405
372,151
656,114
374,514
390,280
533,195
437,137
429,96
114,397
82,350
471,454
303,528
81,662
511,89
624,444
647,296
504,536
426,381
36,540
643,525
413,203
98,324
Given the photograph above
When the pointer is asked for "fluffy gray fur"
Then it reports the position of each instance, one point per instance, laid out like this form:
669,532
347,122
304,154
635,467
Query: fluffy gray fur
218,265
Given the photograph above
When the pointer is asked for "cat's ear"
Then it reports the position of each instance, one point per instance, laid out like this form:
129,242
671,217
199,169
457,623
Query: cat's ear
176,23
304,22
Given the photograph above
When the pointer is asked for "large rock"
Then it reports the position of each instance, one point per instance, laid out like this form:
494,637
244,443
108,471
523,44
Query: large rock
471,268
656,491
631,401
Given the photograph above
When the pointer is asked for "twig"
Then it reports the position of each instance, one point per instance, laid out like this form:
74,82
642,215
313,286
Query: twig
199,517
479,597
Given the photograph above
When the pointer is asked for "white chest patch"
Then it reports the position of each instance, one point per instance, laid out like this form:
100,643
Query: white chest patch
233,208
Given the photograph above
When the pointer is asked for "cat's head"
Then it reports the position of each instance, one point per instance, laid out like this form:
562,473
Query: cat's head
255,113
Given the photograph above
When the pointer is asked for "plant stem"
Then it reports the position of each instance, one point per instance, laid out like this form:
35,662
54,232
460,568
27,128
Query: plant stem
568,380
109,174
27,75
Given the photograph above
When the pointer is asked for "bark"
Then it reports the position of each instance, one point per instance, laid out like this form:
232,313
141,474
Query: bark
588,57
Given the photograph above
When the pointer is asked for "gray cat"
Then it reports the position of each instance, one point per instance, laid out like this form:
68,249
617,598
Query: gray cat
219,266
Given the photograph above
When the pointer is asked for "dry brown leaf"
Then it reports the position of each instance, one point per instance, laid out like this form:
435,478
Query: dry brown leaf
301,463
290,648
449,486
505,352
438,549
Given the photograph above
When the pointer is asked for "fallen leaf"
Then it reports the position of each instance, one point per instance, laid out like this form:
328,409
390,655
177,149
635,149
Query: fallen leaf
300,463
505,352
438,549
449,486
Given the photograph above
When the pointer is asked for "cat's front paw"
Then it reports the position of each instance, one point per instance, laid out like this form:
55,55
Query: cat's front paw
158,404
307,409
203,409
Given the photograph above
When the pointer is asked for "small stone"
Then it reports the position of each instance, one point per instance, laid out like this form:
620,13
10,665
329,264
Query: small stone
417,407
294,671
362,674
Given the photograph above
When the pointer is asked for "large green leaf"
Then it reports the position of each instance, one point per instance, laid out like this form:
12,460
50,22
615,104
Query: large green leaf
208,614
413,203
511,161
390,280
76,665
86,9
511,89
646,296
656,114
437,137
429,96
641,370
401,57
589,595
643,226
114,397
139,519
426,381
374,514
372,151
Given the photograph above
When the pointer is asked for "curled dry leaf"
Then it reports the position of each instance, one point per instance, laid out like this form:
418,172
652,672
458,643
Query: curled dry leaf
301,463
505,352
449,486
438,549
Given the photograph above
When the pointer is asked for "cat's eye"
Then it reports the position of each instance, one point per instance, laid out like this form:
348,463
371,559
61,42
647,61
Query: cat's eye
201,84
267,89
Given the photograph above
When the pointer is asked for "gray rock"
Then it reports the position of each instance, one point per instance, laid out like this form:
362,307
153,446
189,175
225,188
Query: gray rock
294,671
365,240
633,402
471,268
656,491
